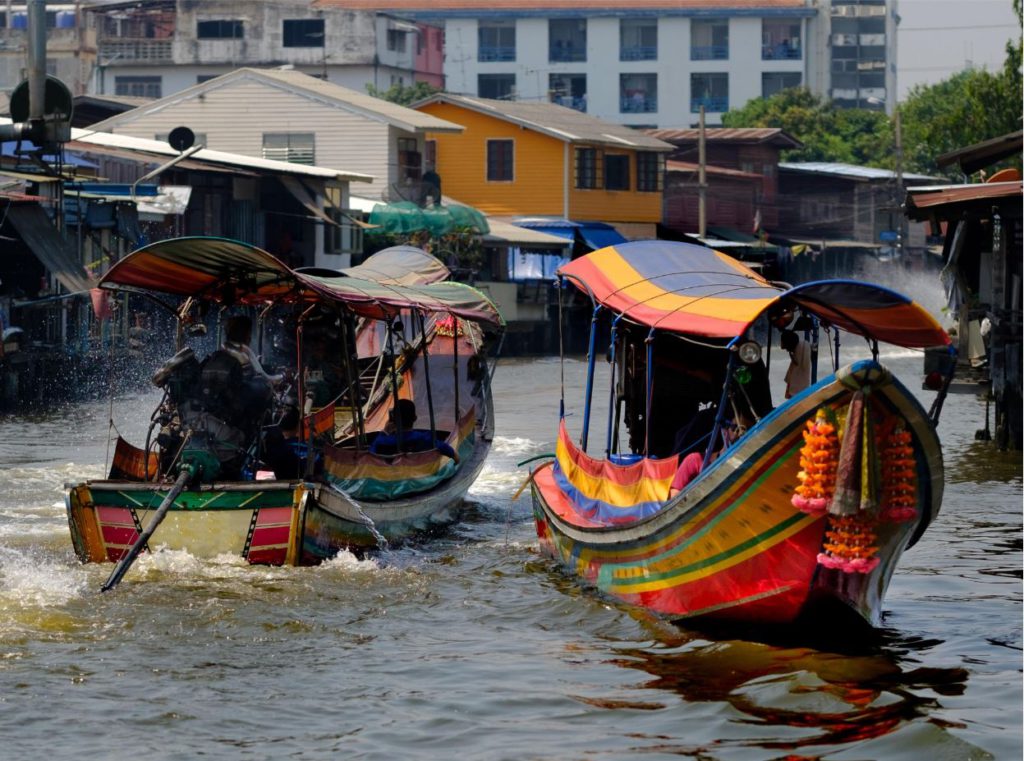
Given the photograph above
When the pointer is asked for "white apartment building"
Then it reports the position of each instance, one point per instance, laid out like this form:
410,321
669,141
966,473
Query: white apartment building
650,63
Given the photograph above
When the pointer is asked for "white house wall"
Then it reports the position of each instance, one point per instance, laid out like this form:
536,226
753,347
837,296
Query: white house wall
235,119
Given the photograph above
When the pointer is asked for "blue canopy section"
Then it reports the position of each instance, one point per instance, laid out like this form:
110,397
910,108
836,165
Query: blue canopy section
594,235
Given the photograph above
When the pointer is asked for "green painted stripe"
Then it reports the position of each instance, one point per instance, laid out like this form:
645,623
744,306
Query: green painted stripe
195,501
713,559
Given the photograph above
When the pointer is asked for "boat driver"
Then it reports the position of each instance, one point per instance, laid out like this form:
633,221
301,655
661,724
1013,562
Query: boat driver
413,439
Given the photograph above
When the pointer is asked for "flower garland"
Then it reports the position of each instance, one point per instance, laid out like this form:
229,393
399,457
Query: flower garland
818,459
899,476
449,326
850,543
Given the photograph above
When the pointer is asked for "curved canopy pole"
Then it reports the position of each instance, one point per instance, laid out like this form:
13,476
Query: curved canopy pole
590,378
613,406
648,397
561,352
426,374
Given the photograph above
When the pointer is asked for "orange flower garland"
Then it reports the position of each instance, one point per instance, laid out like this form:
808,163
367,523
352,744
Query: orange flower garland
899,476
850,543
818,459
449,326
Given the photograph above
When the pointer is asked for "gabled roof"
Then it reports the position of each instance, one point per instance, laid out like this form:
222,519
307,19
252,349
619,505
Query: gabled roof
556,121
329,93
772,135
853,171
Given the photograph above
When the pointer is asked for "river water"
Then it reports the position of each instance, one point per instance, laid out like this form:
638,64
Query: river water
473,645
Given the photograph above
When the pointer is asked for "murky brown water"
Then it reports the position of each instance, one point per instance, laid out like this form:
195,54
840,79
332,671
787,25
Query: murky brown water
475,646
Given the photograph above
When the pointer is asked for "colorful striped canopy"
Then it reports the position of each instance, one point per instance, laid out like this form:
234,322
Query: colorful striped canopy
685,288
221,270
678,287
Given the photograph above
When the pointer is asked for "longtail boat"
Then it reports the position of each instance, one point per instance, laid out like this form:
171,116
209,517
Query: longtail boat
372,434
708,504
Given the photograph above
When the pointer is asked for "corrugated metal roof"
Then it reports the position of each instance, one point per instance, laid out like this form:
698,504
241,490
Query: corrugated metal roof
717,6
404,118
853,171
557,121
727,135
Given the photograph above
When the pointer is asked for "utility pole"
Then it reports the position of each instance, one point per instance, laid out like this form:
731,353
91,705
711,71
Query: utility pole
702,185
901,230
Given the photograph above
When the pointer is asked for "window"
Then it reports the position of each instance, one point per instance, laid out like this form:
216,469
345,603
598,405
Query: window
396,40
709,40
780,40
773,82
569,90
221,29
638,93
497,86
499,161
346,237
140,87
430,154
638,40
496,41
567,40
295,147
616,171
586,168
303,33
649,171
410,160
710,91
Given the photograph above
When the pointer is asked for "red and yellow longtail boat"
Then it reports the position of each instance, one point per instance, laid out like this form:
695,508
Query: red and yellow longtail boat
707,502
373,433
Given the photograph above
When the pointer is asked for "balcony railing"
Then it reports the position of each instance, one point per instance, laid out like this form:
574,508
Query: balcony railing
709,52
714,105
638,104
639,53
578,103
781,52
488,53
127,51
566,52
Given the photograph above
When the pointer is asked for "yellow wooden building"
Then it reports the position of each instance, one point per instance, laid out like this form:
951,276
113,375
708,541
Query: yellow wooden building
519,158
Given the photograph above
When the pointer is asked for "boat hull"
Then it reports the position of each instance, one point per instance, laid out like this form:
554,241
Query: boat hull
732,546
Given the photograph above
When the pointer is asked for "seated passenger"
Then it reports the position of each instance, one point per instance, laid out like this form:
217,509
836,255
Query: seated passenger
691,465
413,439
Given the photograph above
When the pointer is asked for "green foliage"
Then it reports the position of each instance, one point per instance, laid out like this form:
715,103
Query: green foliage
852,136
404,94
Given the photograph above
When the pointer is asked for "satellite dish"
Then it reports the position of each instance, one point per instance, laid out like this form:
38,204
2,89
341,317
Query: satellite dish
57,101
181,139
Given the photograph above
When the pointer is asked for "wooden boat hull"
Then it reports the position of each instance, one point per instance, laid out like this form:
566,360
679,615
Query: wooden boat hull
259,521
732,546
265,522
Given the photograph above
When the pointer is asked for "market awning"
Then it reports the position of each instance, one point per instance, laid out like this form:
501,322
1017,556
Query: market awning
45,241
595,235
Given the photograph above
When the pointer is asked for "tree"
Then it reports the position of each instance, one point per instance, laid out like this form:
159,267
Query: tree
404,95
853,136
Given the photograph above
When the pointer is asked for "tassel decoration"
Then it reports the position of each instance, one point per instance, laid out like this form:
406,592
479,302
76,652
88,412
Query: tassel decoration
899,476
850,543
818,460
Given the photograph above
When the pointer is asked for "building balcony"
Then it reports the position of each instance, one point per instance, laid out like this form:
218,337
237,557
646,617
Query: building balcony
490,53
566,53
145,50
781,52
638,104
714,105
709,52
639,53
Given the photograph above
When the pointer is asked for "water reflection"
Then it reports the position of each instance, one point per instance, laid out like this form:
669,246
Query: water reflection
817,697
